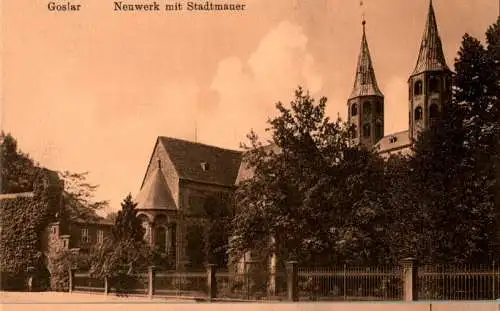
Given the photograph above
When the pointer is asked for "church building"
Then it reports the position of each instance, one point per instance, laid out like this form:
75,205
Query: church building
429,90
183,181
185,178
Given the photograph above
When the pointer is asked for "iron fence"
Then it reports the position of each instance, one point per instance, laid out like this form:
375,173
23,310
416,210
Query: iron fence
136,284
350,283
86,283
466,282
256,285
189,284
345,283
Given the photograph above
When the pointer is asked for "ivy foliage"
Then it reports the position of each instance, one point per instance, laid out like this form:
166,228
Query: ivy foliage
23,222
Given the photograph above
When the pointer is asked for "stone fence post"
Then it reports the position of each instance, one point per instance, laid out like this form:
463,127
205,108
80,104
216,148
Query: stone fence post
151,281
72,272
211,282
31,273
106,286
410,279
292,281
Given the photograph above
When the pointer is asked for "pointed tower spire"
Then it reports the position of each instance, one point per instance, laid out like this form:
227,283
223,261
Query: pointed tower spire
430,83
366,104
365,83
430,56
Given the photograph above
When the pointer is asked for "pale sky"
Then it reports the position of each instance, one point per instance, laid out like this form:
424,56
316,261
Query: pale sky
92,90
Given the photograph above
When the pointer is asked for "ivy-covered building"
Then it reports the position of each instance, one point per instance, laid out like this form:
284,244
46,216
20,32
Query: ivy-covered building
37,222
24,218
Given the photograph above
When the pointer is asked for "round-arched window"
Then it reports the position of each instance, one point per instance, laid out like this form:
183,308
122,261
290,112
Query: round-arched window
161,238
354,110
367,108
433,111
417,87
418,114
434,84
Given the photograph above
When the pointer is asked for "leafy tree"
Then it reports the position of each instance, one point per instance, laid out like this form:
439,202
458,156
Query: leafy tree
126,254
112,216
312,190
18,170
454,163
127,226
60,261
79,196
218,212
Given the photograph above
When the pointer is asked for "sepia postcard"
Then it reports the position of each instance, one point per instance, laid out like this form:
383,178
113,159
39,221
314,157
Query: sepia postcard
323,154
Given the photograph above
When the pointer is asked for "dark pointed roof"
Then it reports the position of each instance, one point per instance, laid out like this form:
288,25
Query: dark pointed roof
365,83
155,194
431,56
203,163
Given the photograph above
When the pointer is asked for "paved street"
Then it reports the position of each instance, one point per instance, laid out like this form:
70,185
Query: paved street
58,297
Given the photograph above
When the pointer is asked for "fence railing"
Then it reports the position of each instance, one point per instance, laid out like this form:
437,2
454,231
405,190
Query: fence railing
459,282
351,283
383,283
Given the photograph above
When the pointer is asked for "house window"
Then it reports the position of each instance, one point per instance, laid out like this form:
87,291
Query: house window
100,236
433,111
147,231
418,114
417,88
379,107
65,243
85,235
204,166
354,110
366,130
367,108
54,230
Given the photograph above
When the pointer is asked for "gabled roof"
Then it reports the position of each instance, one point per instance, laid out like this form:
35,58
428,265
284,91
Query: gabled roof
246,171
365,83
203,163
155,194
394,142
430,56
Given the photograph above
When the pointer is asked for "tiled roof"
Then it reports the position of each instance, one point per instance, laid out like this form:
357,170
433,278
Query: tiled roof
246,171
203,163
365,83
155,194
430,56
394,141
101,221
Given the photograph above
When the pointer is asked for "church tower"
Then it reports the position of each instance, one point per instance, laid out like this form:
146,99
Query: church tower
366,103
430,81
